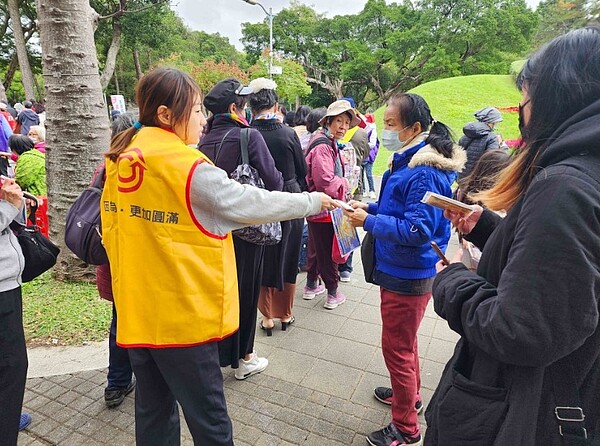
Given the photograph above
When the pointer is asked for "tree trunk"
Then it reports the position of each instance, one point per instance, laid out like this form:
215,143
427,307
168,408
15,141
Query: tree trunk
21,47
38,88
77,122
113,52
10,71
14,62
116,76
136,62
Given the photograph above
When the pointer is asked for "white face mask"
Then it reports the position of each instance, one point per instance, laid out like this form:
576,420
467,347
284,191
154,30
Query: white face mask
391,139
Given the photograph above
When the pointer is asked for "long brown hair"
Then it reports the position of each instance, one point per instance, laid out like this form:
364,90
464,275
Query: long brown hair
172,88
512,182
561,79
484,175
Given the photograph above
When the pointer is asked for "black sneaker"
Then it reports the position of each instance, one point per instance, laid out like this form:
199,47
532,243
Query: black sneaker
384,394
114,396
391,436
419,407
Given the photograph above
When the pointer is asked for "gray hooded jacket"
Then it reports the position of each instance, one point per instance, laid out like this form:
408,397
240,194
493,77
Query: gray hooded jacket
477,138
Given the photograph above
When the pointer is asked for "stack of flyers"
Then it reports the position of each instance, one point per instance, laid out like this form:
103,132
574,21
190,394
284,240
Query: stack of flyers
346,234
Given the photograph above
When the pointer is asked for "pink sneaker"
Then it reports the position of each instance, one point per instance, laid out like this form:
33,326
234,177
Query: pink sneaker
310,293
333,301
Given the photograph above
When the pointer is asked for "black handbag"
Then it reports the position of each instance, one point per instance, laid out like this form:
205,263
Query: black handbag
367,255
260,234
83,230
40,253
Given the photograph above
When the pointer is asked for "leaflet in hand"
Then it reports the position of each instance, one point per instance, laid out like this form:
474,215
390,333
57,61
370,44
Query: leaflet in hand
345,205
442,202
346,235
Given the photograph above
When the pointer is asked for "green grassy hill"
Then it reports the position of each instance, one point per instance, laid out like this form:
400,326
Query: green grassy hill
454,100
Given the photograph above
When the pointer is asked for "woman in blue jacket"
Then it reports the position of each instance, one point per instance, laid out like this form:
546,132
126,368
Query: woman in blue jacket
425,159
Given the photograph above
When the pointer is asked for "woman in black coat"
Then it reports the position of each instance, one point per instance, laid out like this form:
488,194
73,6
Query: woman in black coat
527,368
281,261
221,143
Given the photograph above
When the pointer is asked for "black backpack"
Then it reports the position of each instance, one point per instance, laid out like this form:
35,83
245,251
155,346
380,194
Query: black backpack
83,230
317,142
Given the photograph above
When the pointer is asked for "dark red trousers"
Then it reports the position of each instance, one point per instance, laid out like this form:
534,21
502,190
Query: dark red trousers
320,241
401,316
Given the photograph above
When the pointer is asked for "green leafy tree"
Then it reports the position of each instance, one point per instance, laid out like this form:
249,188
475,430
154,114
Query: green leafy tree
479,36
394,47
197,46
302,35
559,16
208,72
155,34
9,64
123,18
292,84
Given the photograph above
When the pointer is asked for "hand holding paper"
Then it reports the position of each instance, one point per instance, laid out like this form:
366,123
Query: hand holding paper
442,202
357,217
345,206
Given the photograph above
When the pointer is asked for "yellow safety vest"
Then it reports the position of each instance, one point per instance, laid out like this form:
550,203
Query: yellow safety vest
349,134
174,283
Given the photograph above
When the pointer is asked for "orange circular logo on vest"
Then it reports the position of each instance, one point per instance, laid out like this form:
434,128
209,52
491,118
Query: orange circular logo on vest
130,170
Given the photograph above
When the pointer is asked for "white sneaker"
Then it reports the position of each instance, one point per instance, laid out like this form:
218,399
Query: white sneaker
372,194
251,367
345,276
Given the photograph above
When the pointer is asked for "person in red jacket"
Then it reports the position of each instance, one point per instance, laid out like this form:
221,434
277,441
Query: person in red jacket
9,118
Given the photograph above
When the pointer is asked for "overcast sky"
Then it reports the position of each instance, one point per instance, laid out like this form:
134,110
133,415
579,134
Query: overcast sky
226,16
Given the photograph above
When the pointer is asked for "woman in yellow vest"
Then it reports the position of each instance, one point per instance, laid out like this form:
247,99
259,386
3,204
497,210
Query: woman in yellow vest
167,214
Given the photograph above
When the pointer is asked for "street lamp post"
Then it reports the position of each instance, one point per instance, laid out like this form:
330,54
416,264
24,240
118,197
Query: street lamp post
269,14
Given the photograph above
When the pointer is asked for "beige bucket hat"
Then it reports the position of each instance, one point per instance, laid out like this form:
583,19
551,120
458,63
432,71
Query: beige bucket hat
339,107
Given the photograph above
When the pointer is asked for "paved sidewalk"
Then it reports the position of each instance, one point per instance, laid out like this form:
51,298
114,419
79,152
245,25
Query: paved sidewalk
316,391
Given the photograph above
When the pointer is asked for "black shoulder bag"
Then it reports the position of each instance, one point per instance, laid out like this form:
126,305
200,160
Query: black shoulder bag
39,252
261,234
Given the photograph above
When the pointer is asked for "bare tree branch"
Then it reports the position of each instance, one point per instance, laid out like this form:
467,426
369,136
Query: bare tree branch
123,10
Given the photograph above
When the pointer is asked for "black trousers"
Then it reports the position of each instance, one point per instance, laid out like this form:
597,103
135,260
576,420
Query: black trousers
190,376
13,365
249,264
119,368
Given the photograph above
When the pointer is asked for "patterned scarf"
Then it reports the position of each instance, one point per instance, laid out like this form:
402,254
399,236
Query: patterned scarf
266,116
235,118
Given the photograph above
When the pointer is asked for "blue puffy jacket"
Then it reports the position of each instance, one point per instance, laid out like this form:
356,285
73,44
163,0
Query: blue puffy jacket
403,226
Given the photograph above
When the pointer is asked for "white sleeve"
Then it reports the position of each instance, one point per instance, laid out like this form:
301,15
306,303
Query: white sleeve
221,204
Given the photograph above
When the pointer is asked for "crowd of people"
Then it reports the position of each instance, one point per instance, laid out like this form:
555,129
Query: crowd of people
21,131
526,369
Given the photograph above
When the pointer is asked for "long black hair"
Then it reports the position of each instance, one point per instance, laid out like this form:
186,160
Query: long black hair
560,79
412,108
301,115
313,118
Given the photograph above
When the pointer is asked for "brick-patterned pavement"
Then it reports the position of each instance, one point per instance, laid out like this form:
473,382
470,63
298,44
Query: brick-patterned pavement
317,390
